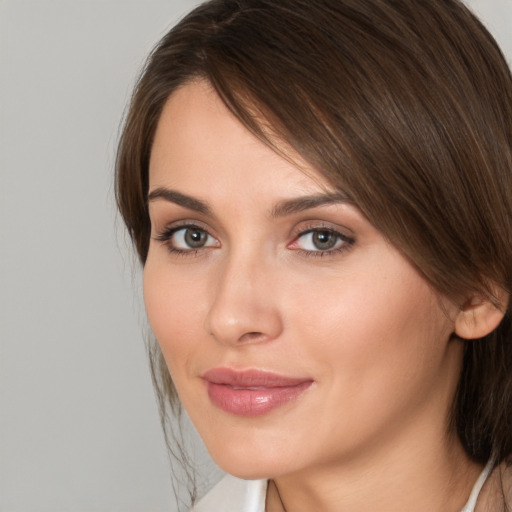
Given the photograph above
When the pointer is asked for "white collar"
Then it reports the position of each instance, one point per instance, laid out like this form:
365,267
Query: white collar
475,492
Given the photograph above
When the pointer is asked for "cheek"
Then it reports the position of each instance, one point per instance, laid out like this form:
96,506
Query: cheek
174,306
378,347
374,330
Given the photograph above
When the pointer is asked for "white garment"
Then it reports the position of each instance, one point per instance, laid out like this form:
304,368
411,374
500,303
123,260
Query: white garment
234,495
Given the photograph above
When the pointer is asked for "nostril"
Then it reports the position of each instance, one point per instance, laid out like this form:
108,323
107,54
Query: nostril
252,337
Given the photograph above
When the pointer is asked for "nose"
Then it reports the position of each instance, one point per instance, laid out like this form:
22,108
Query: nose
244,307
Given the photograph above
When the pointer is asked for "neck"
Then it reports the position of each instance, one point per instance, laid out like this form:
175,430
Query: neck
423,480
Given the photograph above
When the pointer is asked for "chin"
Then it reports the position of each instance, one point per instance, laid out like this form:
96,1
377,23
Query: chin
249,462
248,471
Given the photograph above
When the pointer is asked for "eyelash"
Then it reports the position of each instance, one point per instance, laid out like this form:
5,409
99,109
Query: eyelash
346,241
168,233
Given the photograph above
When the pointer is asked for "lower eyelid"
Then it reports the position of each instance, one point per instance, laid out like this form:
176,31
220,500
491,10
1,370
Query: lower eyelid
329,253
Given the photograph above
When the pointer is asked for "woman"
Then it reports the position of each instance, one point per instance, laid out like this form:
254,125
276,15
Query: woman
320,195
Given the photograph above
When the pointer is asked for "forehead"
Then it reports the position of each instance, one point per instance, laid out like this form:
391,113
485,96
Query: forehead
198,141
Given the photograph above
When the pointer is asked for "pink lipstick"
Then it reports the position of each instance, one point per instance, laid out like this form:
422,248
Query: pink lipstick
251,392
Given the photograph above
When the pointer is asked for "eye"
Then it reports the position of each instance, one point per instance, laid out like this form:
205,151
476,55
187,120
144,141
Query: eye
321,240
191,238
185,239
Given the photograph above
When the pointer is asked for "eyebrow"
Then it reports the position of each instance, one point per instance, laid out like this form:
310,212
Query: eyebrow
300,204
281,209
180,199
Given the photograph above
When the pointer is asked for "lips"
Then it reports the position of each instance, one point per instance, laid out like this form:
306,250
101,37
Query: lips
252,392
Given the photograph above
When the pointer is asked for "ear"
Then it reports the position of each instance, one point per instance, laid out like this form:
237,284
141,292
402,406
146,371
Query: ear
478,316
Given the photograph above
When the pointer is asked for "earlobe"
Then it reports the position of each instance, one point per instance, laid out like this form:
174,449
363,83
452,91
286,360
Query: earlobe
478,316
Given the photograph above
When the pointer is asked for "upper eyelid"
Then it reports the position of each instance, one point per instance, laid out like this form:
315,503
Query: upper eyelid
342,236
309,226
299,229
182,224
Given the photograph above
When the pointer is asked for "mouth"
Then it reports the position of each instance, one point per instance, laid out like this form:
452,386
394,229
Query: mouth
252,392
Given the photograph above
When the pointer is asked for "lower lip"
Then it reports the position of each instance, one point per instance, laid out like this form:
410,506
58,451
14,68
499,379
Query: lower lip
253,401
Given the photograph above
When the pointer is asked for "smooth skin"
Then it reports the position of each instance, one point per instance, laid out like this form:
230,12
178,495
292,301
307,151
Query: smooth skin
244,273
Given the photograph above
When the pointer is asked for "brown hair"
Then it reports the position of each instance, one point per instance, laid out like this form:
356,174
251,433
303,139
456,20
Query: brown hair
405,105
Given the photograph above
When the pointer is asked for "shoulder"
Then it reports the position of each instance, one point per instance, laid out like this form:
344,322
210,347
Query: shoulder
496,495
234,495
506,483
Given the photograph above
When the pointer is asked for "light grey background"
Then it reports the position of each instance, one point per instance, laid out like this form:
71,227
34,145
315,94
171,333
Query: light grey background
79,430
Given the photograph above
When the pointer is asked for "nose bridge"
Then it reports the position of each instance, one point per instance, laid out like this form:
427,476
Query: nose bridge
242,308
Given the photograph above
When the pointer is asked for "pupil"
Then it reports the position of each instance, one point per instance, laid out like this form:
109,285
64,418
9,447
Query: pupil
195,238
324,240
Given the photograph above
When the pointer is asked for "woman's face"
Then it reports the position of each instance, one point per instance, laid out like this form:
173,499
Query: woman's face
295,334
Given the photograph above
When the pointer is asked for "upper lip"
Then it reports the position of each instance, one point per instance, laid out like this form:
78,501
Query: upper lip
251,378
